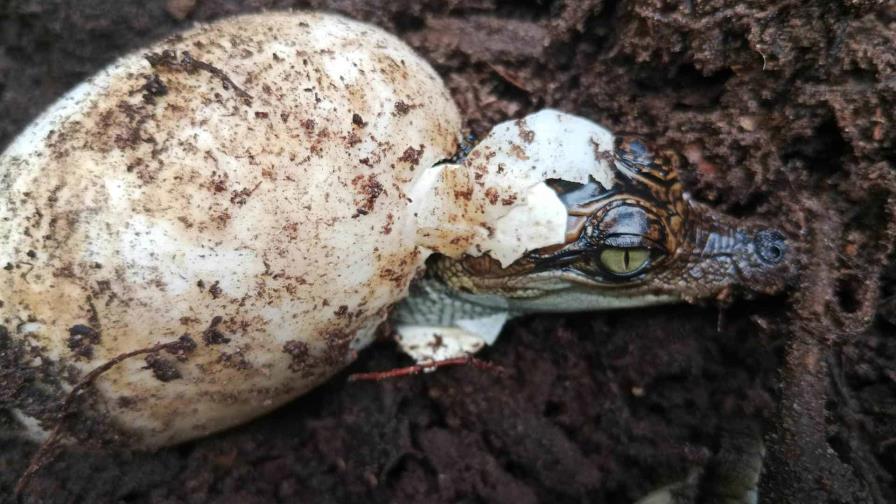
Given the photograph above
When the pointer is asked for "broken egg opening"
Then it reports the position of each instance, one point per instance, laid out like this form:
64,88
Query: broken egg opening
498,201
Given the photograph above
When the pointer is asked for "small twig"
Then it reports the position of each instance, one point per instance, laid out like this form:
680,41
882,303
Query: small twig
189,64
30,269
47,450
509,77
427,366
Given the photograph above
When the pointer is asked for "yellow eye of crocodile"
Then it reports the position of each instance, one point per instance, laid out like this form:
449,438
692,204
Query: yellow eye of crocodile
622,261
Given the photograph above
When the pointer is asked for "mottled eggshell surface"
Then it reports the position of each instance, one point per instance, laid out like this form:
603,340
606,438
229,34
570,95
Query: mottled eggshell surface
244,184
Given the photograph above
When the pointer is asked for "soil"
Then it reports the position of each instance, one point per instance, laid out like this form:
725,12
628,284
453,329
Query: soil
784,112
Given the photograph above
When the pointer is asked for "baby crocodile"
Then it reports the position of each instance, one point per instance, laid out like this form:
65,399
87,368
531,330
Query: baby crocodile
643,241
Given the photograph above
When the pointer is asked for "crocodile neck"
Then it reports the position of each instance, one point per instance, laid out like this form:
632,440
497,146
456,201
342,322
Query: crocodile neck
432,302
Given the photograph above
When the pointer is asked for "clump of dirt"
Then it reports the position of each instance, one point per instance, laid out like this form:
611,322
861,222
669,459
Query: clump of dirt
784,113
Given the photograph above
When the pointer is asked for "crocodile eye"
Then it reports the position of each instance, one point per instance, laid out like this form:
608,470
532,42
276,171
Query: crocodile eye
624,261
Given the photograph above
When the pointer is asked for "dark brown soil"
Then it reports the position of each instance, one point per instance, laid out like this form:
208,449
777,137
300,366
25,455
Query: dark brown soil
785,112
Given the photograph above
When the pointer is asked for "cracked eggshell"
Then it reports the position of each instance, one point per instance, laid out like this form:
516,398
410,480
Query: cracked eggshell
244,184
497,201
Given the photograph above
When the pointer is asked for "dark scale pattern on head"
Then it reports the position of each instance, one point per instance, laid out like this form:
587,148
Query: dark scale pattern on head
688,249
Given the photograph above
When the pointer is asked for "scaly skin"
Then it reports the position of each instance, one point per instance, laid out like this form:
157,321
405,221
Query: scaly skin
695,252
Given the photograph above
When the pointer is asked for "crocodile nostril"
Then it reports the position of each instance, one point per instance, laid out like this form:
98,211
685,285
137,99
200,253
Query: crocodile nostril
771,246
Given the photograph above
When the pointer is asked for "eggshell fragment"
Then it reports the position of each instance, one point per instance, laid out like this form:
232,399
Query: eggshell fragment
242,185
497,202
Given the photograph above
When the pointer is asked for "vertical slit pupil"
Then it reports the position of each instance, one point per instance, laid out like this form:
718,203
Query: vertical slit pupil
625,259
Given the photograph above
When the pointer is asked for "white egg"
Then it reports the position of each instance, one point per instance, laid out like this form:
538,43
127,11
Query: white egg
245,184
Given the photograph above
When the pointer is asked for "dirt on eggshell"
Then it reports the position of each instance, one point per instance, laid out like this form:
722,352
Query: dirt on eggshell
784,113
